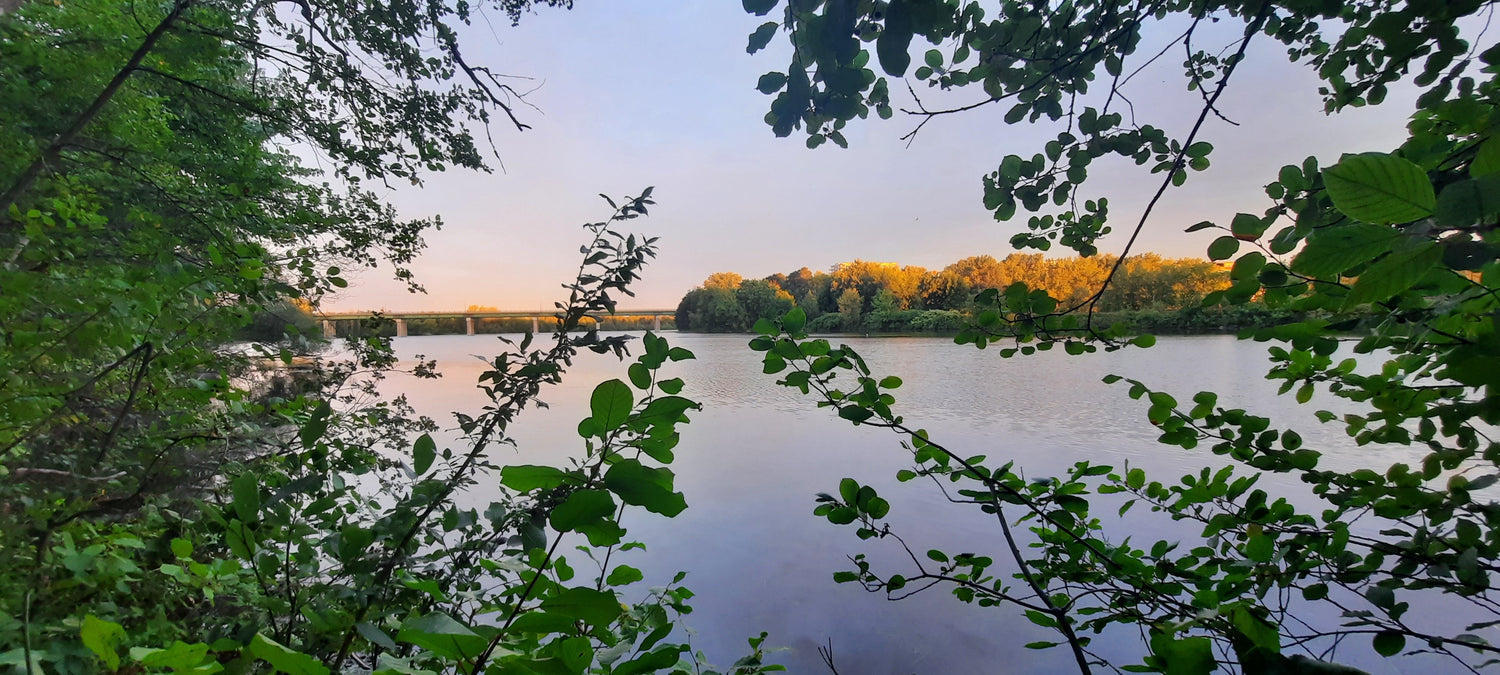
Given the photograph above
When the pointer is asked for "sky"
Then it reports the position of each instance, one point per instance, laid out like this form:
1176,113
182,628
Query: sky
662,93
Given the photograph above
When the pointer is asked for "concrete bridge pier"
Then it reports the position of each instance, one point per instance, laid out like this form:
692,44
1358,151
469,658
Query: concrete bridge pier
656,323
329,331
400,327
469,325
536,325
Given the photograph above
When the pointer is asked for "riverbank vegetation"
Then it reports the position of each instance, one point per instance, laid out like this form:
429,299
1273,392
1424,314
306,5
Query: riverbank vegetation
1148,292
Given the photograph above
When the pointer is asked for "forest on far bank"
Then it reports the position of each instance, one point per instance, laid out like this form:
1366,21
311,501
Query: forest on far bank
1149,292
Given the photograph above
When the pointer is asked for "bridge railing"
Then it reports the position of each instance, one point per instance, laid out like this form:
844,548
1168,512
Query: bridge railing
471,319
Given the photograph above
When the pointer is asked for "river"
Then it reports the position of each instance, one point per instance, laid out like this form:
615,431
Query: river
751,461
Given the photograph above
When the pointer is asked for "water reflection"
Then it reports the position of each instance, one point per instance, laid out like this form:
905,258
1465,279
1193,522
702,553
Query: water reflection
750,463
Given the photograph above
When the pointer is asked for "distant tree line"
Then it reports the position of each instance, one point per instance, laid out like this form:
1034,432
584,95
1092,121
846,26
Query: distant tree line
879,296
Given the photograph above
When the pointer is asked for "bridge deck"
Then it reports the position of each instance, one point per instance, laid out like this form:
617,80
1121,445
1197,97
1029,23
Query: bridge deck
343,316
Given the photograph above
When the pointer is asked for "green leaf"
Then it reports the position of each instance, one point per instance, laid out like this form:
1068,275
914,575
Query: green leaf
443,635
103,638
894,40
1381,596
1389,643
1260,548
843,516
1247,227
848,490
317,425
623,575
666,409
1379,188
1487,160
181,656
1332,251
760,7
794,321
583,507
1041,618
599,608
1468,255
15,659
663,657
423,452
1394,274
855,413
1223,248
571,655
762,37
643,486
240,538
1469,202
611,405
528,477
285,660
246,490
770,83
392,665
376,636
1187,656
541,623
640,375
1260,633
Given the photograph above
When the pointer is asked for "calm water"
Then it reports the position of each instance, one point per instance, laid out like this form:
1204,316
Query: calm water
752,460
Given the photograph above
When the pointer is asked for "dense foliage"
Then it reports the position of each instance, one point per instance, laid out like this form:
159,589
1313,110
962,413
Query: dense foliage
1401,245
172,499
877,296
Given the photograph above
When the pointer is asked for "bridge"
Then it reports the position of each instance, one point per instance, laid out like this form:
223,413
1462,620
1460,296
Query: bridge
469,317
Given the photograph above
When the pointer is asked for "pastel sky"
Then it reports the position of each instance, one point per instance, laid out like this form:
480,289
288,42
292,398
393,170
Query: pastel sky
661,93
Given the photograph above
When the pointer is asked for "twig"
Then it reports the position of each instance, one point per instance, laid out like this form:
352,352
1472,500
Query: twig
826,654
